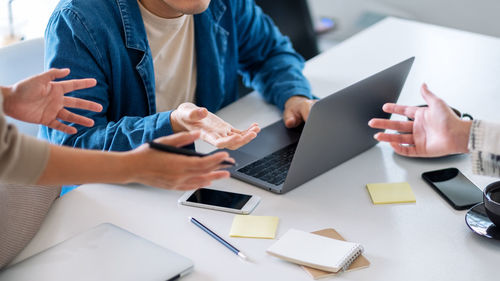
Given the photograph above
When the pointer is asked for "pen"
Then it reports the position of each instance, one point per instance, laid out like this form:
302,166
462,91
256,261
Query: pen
218,238
181,151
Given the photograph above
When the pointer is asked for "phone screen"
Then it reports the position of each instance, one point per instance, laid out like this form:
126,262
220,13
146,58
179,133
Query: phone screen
458,190
219,198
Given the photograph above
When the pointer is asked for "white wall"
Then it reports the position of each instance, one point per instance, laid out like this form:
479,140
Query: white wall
480,16
30,17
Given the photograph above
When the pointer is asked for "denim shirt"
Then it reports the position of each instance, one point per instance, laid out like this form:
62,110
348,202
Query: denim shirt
106,40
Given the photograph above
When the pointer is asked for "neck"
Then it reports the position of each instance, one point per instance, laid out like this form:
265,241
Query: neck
161,9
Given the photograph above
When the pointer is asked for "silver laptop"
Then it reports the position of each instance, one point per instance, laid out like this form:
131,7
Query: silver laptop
105,252
280,159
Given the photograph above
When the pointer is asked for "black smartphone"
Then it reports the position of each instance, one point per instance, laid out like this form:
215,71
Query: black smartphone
220,200
454,187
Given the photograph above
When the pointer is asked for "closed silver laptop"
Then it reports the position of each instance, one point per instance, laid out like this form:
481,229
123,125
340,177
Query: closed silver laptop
280,159
105,252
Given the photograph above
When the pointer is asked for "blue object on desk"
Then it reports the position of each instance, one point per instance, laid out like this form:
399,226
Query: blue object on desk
67,188
218,238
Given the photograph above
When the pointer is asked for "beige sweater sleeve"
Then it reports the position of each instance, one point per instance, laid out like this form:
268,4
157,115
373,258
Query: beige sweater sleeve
22,158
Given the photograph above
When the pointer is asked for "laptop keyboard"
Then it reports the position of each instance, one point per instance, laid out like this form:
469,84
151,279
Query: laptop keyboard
272,168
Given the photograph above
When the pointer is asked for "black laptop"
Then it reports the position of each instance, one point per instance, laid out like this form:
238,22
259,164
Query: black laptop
280,159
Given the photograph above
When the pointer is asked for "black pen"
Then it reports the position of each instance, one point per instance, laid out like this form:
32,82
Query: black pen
181,151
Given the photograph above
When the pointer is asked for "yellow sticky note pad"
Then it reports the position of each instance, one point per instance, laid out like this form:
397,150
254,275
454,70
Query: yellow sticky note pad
387,193
254,226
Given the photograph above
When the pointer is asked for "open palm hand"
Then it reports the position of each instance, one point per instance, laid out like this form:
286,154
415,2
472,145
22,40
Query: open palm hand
435,130
214,130
41,100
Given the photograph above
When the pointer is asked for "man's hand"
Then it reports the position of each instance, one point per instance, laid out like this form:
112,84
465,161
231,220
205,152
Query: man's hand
40,100
297,110
435,131
214,130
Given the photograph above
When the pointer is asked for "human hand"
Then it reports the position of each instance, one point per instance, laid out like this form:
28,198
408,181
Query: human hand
41,100
173,171
214,130
436,129
297,110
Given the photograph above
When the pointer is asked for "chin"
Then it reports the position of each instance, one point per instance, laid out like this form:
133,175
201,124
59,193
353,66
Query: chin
190,7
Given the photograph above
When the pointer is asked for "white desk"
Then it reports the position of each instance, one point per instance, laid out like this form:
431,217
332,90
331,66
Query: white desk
423,241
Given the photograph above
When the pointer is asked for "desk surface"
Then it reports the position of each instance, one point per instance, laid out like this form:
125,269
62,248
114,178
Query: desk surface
427,240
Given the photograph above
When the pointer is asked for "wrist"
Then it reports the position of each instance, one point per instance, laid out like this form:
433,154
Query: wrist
463,135
294,99
131,166
6,93
174,122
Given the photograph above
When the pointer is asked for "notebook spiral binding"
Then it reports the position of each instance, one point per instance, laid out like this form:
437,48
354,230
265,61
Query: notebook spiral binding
354,257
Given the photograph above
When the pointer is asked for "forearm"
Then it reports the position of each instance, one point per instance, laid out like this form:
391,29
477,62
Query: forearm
75,166
123,135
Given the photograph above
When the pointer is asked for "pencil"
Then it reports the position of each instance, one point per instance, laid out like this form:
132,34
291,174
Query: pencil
218,238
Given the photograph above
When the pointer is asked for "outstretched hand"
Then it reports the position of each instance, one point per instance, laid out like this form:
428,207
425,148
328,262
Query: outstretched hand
41,100
173,171
214,130
436,129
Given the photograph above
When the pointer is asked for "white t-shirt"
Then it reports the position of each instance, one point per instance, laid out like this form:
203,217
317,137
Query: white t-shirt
174,58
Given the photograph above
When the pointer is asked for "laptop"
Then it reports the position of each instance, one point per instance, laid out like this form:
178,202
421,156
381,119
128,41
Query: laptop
105,252
281,159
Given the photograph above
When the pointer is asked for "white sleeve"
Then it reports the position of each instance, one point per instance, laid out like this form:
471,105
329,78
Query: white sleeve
484,145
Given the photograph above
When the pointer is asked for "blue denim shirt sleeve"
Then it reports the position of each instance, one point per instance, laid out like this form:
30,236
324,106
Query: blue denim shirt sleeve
267,59
86,60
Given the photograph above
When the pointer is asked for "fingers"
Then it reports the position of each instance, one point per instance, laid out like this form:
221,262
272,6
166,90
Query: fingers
208,163
400,126
195,182
305,108
254,127
179,139
191,112
56,125
81,104
395,138
55,73
70,117
405,150
76,84
201,181
208,178
297,111
198,114
408,111
291,119
233,141
428,96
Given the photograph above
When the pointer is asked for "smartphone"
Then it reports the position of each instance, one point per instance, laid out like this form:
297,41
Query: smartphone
220,200
454,187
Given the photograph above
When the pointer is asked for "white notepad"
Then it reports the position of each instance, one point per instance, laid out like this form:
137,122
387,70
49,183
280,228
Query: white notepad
315,251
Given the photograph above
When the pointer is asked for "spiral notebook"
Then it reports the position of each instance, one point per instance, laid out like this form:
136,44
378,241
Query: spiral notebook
315,251
359,263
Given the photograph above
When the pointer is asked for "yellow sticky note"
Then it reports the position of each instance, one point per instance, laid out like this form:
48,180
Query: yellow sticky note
254,226
387,193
